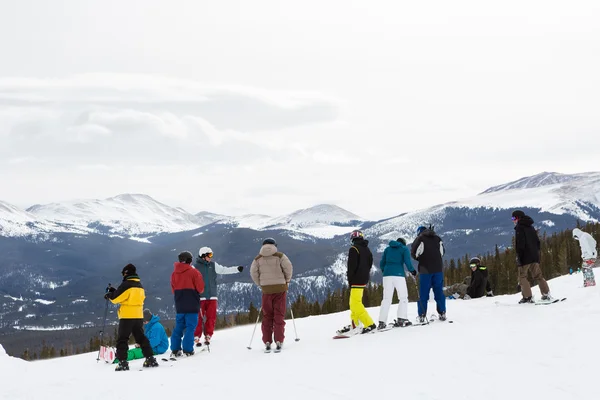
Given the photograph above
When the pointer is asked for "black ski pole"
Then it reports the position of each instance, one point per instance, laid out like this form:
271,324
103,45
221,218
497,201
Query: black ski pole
103,324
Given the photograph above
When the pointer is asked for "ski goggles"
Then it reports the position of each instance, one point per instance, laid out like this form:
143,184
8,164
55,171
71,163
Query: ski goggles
473,265
209,255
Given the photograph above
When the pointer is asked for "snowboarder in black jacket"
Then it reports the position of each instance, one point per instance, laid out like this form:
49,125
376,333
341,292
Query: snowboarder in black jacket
360,261
527,246
480,284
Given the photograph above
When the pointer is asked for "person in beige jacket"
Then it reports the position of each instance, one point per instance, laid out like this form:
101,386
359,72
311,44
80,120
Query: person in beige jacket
272,271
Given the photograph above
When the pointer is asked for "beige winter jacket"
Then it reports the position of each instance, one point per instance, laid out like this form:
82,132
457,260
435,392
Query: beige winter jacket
271,270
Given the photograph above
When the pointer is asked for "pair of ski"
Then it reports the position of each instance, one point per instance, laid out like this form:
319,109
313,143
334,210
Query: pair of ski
389,327
537,303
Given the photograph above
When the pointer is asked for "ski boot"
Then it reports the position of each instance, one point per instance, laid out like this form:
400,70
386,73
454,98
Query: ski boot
421,319
177,353
369,329
188,353
268,347
278,346
122,366
197,341
346,329
207,340
150,362
401,323
547,297
442,316
526,300
382,325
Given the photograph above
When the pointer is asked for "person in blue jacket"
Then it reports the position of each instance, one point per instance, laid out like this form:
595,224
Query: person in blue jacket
392,263
155,332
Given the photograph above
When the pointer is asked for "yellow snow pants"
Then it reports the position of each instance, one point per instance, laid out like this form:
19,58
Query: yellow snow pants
358,313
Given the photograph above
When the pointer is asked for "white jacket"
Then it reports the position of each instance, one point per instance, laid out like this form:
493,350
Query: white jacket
587,243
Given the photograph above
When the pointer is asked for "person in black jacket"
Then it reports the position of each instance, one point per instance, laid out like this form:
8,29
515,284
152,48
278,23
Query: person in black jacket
428,249
480,284
360,261
527,246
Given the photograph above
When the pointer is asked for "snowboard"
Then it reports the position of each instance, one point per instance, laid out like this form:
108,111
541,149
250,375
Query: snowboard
108,354
588,277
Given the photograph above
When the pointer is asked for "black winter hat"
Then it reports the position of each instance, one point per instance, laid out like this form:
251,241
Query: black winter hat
269,241
518,214
401,240
147,315
129,269
185,257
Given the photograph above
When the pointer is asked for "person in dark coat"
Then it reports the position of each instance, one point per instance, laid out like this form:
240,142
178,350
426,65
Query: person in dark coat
480,284
527,246
360,261
428,249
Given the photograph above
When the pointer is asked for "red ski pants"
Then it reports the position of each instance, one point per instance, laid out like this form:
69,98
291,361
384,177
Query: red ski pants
273,312
208,308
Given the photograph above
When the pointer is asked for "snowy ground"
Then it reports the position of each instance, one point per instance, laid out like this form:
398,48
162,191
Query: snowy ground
490,352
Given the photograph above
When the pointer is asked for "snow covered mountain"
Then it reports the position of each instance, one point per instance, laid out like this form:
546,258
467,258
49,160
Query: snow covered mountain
127,215
483,333
322,221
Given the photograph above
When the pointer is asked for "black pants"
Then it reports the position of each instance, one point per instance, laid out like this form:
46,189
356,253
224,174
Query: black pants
127,327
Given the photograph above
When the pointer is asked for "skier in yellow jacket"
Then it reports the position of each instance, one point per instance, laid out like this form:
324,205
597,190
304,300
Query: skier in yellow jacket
130,295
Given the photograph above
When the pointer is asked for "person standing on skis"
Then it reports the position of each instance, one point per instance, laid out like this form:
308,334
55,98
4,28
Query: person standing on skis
130,295
187,286
392,263
428,249
527,246
272,271
207,315
360,261
588,255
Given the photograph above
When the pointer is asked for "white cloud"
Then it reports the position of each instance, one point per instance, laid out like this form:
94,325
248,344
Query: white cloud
292,104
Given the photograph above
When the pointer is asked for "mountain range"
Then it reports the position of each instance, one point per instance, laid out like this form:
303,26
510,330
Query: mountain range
57,258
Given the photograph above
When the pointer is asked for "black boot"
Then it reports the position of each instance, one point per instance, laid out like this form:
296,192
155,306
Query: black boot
122,366
526,300
382,325
401,322
369,328
150,362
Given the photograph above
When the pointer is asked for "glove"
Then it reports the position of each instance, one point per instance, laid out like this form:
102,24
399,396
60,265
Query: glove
414,272
489,294
107,295
240,268
110,289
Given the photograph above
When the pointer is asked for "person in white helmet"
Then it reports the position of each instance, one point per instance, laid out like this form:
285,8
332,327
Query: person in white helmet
208,300
588,255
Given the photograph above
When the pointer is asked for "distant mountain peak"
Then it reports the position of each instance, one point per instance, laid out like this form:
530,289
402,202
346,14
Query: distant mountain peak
535,181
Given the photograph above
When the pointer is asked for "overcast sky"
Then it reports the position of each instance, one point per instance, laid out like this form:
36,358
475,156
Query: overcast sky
236,107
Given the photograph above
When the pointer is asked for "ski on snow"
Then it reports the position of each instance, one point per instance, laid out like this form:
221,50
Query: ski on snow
537,303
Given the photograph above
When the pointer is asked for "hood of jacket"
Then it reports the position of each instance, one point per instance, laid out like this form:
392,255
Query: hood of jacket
360,242
180,267
395,244
525,221
267,250
577,233
155,318
428,232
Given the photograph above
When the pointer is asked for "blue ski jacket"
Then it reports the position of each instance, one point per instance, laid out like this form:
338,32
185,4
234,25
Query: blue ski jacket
156,334
394,258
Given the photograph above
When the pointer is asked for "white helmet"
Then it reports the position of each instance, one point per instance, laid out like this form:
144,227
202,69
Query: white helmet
204,250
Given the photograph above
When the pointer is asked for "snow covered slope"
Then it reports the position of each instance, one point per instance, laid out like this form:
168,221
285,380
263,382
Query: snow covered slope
490,351
129,215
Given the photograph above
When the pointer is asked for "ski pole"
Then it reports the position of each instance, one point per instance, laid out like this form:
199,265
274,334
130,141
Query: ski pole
294,322
254,331
103,324
204,330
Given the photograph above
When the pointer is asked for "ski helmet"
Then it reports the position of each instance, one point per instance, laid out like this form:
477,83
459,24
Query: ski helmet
474,261
420,229
204,251
401,240
356,234
185,257
270,241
